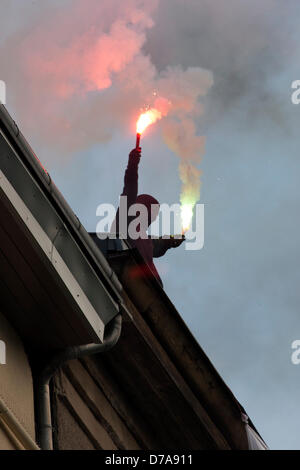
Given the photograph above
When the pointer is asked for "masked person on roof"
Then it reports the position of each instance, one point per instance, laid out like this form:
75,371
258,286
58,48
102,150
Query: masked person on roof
148,247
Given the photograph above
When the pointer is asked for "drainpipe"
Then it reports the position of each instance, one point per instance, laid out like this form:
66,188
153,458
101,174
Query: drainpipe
44,421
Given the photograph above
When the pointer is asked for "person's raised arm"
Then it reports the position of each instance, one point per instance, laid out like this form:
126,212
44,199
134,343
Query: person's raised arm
131,177
130,188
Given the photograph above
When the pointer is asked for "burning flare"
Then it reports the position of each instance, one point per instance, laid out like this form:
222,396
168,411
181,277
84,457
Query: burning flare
186,216
147,118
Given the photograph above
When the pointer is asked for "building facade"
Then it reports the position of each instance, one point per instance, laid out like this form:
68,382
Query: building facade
94,354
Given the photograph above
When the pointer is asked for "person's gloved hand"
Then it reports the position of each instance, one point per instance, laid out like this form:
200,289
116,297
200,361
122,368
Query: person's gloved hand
175,242
135,155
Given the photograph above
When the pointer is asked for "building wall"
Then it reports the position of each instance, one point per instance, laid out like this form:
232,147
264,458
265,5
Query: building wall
84,415
16,387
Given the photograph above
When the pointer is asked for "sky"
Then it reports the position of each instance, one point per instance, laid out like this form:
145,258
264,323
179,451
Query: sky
78,73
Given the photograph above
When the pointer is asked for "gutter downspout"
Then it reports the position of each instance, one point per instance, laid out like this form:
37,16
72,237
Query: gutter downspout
44,422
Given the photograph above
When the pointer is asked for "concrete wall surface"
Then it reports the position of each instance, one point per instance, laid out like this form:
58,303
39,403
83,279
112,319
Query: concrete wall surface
16,387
